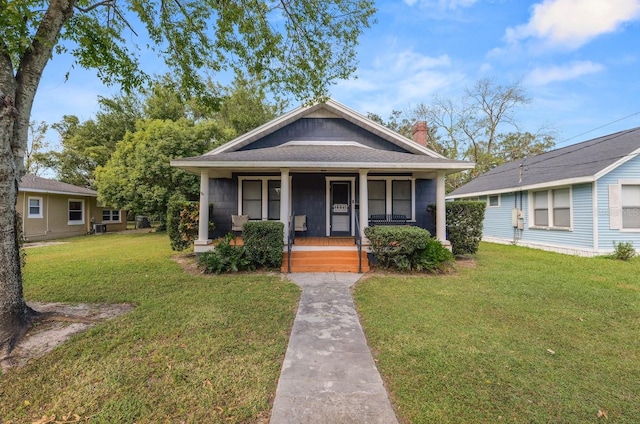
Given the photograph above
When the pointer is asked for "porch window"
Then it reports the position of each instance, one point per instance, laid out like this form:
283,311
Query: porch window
110,215
401,195
630,206
377,197
35,207
274,199
76,212
391,195
252,198
259,197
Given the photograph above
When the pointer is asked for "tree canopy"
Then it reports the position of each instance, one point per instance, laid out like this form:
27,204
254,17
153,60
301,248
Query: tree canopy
481,126
299,47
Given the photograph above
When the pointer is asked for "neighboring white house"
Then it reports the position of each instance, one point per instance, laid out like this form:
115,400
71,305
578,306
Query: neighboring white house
578,199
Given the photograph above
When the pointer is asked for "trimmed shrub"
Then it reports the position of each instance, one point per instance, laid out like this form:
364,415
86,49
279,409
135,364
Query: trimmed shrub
225,258
464,225
435,258
263,241
183,219
407,248
623,250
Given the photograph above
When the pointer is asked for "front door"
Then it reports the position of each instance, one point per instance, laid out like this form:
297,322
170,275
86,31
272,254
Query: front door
340,210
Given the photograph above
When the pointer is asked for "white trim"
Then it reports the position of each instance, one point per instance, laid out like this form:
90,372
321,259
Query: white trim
566,250
623,182
264,194
81,221
596,223
532,217
616,164
315,166
389,192
489,205
538,187
110,221
332,143
40,207
65,193
327,190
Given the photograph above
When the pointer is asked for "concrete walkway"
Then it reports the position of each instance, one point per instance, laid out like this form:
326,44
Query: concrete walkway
328,375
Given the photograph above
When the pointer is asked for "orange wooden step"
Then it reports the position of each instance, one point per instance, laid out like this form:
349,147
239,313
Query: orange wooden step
325,261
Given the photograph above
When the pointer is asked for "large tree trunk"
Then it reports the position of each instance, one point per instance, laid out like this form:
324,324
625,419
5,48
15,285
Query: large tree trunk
17,91
15,315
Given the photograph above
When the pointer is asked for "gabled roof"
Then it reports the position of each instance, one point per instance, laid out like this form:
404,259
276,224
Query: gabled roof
578,163
320,154
331,108
33,184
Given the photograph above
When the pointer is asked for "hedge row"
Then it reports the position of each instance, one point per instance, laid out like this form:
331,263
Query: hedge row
407,248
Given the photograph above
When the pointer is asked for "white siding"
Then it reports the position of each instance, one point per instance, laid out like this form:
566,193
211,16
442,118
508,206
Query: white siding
629,171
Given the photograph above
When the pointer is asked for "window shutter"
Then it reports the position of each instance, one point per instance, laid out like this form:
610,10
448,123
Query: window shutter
615,221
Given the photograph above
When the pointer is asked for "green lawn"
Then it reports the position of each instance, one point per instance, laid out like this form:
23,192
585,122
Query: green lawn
527,337
195,349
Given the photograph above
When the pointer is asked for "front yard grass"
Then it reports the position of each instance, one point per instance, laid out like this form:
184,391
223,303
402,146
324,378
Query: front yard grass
526,336
195,348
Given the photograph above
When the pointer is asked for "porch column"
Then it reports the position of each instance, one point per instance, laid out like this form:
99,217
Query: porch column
364,202
203,227
284,202
441,213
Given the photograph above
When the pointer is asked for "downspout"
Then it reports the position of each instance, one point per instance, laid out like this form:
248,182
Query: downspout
24,218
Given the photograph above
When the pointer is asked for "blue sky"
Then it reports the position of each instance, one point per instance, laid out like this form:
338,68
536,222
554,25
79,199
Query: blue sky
579,61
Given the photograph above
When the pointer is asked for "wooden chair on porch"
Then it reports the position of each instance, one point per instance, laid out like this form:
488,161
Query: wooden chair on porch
300,223
238,221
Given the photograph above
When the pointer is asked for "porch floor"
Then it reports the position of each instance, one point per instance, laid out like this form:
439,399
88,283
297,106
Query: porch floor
314,242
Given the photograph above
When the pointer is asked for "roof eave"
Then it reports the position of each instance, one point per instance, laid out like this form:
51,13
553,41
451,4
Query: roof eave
196,167
548,184
64,193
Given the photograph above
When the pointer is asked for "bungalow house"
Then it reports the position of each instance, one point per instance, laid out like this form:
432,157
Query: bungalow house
577,200
51,209
331,167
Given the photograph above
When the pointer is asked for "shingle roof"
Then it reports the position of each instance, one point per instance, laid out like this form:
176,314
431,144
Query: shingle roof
43,185
321,154
586,160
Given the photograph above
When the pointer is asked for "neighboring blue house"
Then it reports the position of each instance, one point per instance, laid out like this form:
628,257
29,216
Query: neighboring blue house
334,166
578,199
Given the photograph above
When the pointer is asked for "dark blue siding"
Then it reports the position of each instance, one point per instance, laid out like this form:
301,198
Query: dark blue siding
323,129
309,198
223,193
425,196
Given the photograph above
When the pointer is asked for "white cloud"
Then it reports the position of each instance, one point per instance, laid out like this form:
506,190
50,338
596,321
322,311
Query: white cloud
543,76
572,23
396,80
442,4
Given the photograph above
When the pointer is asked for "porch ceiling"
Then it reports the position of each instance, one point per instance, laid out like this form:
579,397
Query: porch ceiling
310,158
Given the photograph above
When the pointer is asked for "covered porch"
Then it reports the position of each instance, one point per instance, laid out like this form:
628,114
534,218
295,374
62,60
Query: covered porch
332,204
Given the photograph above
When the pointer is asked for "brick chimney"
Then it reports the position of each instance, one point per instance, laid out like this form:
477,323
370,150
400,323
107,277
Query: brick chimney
421,133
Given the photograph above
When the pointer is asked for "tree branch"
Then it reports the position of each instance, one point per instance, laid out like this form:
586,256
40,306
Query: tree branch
107,3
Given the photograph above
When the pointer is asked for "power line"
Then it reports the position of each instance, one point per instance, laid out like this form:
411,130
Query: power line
595,129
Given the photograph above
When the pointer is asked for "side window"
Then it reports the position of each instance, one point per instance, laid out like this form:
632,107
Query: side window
76,212
35,207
